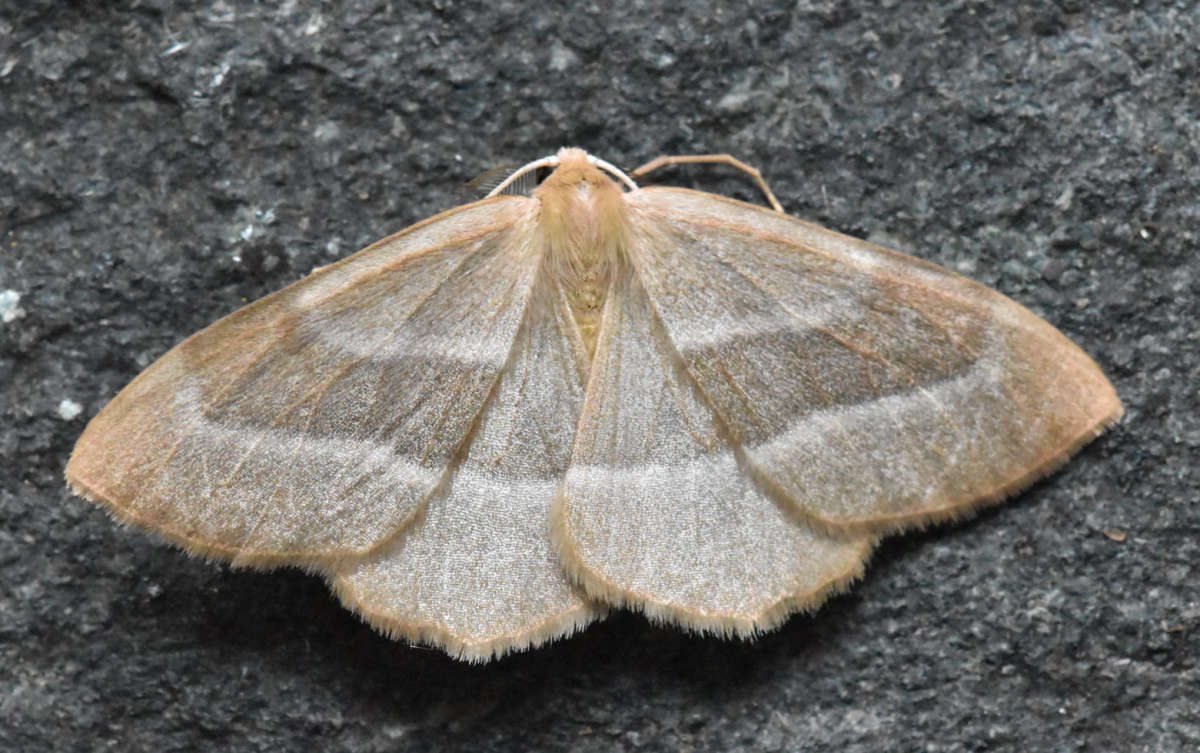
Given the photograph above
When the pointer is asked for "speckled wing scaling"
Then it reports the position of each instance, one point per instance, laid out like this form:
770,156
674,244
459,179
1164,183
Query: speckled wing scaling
657,511
867,389
768,398
476,574
311,425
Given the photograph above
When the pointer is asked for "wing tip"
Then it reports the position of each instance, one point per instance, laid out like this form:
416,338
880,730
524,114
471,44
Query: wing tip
1108,413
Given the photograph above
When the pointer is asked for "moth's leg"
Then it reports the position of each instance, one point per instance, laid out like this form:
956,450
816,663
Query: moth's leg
708,159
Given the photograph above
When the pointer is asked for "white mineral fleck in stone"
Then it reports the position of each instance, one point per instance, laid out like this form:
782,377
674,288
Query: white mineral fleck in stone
9,310
68,409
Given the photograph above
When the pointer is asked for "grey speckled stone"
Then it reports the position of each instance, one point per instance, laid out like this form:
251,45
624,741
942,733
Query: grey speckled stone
162,164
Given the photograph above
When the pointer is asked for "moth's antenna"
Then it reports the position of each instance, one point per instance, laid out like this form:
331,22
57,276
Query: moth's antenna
551,161
481,184
618,173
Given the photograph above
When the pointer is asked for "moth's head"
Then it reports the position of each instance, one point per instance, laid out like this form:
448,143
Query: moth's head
576,178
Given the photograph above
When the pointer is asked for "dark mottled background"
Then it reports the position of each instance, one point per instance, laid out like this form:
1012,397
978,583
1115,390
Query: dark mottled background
161,164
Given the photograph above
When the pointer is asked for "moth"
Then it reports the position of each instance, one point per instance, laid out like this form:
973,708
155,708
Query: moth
491,427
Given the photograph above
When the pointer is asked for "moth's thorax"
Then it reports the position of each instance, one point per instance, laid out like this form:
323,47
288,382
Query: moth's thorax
583,221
